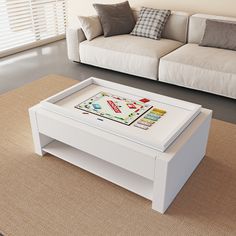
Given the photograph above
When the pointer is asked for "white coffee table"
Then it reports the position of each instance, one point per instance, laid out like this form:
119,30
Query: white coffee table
154,163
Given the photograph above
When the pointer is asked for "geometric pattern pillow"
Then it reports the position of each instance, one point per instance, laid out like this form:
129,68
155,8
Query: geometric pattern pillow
151,23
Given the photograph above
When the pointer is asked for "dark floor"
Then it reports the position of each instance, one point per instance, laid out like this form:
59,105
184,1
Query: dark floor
22,68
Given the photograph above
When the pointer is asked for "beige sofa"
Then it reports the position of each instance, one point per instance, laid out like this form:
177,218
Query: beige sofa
127,53
203,68
176,58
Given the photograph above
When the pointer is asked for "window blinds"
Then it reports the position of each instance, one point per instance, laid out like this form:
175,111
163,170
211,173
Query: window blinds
23,22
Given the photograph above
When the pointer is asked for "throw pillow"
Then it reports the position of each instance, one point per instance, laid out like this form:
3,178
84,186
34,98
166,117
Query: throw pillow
219,34
91,26
115,18
151,23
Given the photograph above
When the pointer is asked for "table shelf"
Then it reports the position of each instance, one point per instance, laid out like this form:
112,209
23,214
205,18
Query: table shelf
101,168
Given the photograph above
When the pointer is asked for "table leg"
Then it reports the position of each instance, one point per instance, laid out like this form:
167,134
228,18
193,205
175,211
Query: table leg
39,139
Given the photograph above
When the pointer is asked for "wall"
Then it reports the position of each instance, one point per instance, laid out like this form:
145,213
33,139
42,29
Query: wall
217,7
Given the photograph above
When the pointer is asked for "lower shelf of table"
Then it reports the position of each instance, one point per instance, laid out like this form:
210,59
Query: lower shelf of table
101,168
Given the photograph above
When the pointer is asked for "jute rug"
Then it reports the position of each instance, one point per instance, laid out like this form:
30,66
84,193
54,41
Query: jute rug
47,196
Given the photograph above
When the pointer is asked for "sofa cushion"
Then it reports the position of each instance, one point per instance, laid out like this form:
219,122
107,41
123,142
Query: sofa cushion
176,27
219,34
115,18
91,26
126,53
197,25
151,23
208,69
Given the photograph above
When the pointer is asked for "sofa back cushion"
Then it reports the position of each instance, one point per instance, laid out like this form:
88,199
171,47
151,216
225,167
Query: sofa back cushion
197,25
176,27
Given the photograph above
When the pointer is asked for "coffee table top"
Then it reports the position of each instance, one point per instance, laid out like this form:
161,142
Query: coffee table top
146,118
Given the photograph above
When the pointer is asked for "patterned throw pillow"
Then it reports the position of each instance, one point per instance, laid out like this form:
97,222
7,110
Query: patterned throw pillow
151,23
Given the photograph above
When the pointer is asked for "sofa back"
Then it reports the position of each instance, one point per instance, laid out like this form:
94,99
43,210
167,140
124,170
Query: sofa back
176,27
197,25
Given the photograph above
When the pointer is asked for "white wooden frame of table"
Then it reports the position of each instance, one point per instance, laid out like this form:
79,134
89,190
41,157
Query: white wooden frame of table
155,175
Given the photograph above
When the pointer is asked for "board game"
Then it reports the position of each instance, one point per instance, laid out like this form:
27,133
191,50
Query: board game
116,108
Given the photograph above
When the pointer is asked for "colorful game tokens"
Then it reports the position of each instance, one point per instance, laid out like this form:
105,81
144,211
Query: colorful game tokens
148,121
141,122
150,118
158,111
141,126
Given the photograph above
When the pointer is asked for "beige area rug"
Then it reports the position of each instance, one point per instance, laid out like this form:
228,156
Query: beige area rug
49,197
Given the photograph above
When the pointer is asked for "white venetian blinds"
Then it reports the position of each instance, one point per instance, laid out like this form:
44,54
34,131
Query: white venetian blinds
24,22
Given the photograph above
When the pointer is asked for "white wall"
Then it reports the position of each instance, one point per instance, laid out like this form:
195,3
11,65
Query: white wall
217,7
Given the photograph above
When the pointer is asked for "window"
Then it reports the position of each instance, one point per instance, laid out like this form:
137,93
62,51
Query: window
25,23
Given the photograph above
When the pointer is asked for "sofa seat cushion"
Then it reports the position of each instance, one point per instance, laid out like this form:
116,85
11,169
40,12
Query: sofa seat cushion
208,69
126,53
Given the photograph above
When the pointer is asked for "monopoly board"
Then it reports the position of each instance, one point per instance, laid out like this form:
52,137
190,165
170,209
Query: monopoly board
116,108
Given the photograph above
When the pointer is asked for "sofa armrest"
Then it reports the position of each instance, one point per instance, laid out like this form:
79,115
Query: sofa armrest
74,36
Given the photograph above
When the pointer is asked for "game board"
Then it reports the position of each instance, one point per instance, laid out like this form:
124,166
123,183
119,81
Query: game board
116,108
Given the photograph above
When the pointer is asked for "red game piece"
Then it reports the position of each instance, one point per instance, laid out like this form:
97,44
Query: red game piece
144,100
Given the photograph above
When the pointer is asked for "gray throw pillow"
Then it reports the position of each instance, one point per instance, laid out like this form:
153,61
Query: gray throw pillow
219,34
115,18
151,23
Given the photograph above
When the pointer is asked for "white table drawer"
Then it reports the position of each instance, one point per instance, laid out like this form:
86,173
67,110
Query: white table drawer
109,147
